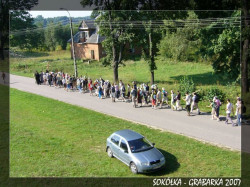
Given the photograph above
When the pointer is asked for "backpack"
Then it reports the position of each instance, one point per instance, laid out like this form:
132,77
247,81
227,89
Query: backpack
165,94
113,89
196,100
123,88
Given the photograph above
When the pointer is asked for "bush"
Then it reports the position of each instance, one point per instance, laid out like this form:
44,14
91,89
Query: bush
58,48
208,94
186,85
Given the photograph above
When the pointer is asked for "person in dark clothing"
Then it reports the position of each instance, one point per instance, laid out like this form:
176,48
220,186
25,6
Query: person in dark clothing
3,76
178,101
41,77
50,79
37,77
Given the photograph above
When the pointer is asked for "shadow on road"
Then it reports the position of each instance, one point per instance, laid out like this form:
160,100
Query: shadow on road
171,165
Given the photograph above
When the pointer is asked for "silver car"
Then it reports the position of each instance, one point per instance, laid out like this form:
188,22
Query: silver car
135,151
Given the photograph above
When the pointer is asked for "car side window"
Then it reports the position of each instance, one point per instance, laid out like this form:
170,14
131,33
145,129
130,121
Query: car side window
115,139
123,145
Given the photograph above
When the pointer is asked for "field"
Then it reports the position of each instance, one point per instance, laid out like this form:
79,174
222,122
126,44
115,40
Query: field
167,75
55,139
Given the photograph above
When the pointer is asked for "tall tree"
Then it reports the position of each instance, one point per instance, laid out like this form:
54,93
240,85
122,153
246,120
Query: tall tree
245,51
117,35
21,26
5,6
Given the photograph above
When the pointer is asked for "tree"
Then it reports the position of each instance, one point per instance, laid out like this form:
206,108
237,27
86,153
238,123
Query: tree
21,27
181,42
5,6
116,34
221,45
245,50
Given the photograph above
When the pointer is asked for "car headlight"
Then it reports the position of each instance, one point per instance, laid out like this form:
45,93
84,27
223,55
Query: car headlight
145,164
162,159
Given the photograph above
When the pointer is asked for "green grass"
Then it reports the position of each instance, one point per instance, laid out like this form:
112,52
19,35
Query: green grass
52,138
167,75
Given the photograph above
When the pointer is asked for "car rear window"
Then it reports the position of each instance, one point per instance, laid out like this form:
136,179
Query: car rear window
115,139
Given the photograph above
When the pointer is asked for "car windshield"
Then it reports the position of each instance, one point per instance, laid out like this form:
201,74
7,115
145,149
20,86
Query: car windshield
139,145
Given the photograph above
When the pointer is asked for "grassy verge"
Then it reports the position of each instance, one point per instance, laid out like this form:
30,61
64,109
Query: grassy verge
167,75
52,138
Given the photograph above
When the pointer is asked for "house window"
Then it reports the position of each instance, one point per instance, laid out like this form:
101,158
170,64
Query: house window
83,36
92,52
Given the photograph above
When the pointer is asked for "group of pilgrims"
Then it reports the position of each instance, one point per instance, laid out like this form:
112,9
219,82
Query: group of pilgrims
137,94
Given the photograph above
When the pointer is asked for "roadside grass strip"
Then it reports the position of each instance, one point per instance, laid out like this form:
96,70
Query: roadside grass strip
49,138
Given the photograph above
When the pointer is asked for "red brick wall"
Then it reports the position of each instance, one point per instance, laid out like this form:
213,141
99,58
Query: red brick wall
83,51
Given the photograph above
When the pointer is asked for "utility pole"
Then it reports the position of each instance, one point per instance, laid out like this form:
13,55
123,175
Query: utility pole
72,43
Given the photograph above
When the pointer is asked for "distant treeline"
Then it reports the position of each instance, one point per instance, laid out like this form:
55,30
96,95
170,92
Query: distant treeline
43,34
62,19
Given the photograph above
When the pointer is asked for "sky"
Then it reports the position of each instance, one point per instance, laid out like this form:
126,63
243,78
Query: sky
51,14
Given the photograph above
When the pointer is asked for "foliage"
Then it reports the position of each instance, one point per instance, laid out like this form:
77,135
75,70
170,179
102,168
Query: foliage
181,43
211,92
222,46
21,23
186,85
59,19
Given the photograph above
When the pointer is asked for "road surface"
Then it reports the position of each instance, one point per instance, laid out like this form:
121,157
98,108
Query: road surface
199,127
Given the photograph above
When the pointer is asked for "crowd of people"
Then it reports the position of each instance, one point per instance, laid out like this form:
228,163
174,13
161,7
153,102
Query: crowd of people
139,95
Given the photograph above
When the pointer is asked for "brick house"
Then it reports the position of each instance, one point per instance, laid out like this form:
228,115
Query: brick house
87,43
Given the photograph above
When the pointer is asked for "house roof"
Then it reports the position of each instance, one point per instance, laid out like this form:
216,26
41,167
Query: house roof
87,24
95,38
76,38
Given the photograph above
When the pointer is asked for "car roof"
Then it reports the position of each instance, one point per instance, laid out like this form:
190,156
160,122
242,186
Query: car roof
129,134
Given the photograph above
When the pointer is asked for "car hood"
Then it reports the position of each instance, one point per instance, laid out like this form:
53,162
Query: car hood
149,155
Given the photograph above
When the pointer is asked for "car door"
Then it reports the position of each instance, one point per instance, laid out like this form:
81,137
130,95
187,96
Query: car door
124,152
115,144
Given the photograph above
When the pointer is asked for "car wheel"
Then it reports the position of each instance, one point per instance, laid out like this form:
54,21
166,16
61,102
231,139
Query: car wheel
133,168
110,153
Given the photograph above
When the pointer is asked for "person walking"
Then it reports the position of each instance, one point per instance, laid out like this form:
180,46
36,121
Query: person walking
153,98
134,95
90,86
123,90
194,104
68,83
139,97
78,84
213,113
99,88
112,92
105,89
217,109
178,101
238,110
3,77
188,102
173,100
117,91
37,77
129,90
50,79
229,109
158,98
164,96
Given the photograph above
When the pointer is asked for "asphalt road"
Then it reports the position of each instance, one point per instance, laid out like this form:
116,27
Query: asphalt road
199,127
